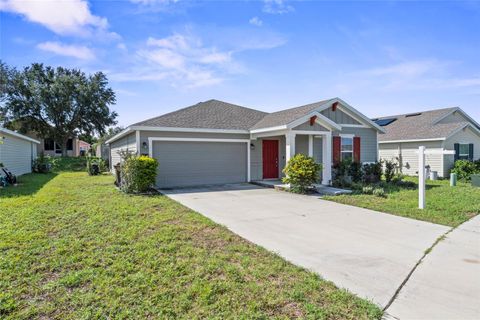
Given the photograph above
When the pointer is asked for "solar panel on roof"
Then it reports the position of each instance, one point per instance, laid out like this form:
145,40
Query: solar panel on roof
385,122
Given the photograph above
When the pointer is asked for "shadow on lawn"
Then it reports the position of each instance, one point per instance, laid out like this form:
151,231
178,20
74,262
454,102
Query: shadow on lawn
28,184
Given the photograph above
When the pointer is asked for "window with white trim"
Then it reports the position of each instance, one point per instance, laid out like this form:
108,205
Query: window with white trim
347,148
463,151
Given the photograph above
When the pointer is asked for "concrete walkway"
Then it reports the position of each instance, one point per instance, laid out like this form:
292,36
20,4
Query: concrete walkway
446,284
367,252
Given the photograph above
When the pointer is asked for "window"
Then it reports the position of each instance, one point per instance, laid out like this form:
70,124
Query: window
70,144
48,145
58,150
347,148
464,151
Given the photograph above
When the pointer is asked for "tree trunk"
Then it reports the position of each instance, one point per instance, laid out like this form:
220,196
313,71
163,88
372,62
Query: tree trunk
64,147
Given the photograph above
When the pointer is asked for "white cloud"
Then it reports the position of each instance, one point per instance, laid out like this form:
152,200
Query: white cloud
414,75
122,46
79,52
181,59
277,7
256,21
72,17
406,69
184,60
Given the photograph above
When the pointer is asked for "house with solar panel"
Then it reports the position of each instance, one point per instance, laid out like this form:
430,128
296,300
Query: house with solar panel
449,128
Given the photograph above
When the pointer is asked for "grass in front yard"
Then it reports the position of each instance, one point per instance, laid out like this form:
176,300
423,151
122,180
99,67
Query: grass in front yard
445,205
77,248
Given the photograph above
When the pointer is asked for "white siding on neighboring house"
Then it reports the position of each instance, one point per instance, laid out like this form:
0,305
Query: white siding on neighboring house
17,154
466,136
128,142
408,156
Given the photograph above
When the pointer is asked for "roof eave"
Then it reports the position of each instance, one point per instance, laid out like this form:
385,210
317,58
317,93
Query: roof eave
18,135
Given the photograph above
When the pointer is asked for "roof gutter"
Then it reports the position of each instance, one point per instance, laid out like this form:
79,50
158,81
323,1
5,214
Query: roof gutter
119,135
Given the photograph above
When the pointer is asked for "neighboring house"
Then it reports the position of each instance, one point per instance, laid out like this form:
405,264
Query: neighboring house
102,151
75,147
215,142
450,129
17,151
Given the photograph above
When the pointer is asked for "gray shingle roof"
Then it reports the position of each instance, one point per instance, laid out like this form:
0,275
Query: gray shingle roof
419,126
286,116
211,114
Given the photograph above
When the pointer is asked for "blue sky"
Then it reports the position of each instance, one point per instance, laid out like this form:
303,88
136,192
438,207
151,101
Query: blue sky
382,57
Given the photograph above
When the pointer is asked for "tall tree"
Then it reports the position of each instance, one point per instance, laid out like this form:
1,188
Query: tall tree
59,103
5,73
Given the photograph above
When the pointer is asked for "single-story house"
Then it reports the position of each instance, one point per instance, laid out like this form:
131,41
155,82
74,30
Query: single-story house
17,151
215,142
440,129
75,146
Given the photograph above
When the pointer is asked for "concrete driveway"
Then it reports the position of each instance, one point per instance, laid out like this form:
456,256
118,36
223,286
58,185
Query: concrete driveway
366,252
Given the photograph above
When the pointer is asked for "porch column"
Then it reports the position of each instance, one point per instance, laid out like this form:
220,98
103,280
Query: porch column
310,145
290,146
327,158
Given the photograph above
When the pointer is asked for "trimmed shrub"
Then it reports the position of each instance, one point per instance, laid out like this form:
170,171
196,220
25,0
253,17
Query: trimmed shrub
355,171
465,168
301,172
95,166
341,174
372,172
390,169
43,163
138,173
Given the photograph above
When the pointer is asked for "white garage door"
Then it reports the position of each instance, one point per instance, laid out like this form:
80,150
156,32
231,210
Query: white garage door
185,163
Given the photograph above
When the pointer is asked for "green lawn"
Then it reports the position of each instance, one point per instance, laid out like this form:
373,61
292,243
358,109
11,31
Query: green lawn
444,204
73,247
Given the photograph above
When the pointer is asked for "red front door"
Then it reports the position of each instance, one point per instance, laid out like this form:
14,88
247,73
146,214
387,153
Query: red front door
270,159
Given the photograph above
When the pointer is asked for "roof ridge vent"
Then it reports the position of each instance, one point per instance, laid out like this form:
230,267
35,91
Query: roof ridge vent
413,114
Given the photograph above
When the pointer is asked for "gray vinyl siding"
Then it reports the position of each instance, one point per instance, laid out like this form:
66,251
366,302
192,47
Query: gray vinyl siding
125,143
339,117
17,154
183,163
368,142
465,136
144,135
307,127
301,144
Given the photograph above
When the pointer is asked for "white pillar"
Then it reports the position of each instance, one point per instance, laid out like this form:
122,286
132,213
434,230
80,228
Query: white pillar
310,145
421,177
327,158
139,146
290,146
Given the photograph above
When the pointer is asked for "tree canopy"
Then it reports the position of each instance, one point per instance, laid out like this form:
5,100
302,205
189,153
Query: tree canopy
58,103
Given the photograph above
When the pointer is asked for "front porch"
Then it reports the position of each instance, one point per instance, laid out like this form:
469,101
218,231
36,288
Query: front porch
270,152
